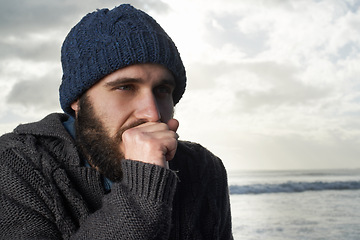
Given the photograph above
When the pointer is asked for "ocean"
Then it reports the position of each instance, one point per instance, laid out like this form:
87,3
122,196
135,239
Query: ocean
290,205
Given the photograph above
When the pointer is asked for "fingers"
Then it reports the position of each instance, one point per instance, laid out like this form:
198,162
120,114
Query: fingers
151,142
173,124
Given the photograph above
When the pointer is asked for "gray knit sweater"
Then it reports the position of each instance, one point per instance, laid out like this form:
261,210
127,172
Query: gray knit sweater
46,193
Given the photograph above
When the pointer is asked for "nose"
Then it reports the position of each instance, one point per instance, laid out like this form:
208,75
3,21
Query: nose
148,109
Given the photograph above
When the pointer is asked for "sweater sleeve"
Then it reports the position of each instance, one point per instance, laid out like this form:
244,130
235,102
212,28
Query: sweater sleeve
25,207
138,207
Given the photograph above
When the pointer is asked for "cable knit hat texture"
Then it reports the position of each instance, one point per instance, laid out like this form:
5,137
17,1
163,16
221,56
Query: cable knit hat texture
107,40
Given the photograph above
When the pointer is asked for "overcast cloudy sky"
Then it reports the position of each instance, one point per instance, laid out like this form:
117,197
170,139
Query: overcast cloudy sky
272,84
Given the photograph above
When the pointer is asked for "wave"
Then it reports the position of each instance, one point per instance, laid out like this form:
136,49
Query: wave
293,187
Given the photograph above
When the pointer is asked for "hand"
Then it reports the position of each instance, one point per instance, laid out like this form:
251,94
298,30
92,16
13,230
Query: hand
151,142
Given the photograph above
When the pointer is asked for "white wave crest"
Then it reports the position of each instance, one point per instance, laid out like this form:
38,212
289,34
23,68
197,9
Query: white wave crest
293,187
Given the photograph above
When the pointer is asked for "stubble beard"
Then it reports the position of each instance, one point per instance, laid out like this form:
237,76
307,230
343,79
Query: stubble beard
96,145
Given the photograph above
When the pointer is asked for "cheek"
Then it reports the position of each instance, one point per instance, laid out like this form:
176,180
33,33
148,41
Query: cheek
112,114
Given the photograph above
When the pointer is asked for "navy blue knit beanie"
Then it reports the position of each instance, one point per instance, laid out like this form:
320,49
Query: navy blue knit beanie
107,40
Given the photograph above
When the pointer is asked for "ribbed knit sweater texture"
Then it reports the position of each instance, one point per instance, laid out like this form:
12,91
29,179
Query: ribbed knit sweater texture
46,192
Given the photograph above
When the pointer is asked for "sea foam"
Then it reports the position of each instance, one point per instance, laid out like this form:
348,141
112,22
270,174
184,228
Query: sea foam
293,187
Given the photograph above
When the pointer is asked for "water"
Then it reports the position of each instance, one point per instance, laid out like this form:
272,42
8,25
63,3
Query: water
312,204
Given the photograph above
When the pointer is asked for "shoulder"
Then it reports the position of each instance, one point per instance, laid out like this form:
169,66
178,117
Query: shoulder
198,161
196,151
33,143
49,126
30,135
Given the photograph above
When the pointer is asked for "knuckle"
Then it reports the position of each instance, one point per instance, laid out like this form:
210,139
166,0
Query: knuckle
127,134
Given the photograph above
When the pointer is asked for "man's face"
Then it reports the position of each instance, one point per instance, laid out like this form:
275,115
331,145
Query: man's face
124,99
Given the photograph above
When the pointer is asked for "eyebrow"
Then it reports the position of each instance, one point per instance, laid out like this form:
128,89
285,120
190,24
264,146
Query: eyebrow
122,81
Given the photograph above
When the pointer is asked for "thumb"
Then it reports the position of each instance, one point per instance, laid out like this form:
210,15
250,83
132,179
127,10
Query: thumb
173,124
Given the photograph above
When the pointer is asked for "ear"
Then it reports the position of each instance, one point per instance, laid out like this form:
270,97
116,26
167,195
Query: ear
75,106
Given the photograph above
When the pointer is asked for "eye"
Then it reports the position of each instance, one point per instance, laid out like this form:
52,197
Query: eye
164,90
125,87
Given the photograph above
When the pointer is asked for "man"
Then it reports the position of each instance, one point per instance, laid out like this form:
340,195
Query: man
112,167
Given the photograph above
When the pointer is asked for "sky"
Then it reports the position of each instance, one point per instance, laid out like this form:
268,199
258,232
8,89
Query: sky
272,84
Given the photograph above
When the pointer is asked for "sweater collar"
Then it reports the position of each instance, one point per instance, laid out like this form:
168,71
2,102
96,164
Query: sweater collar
50,126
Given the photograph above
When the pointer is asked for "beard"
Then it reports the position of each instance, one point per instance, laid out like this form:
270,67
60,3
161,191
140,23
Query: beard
96,145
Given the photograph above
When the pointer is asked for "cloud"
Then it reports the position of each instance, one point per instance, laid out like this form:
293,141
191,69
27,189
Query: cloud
295,152
30,49
223,29
19,17
39,94
284,88
270,82
257,84
159,7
